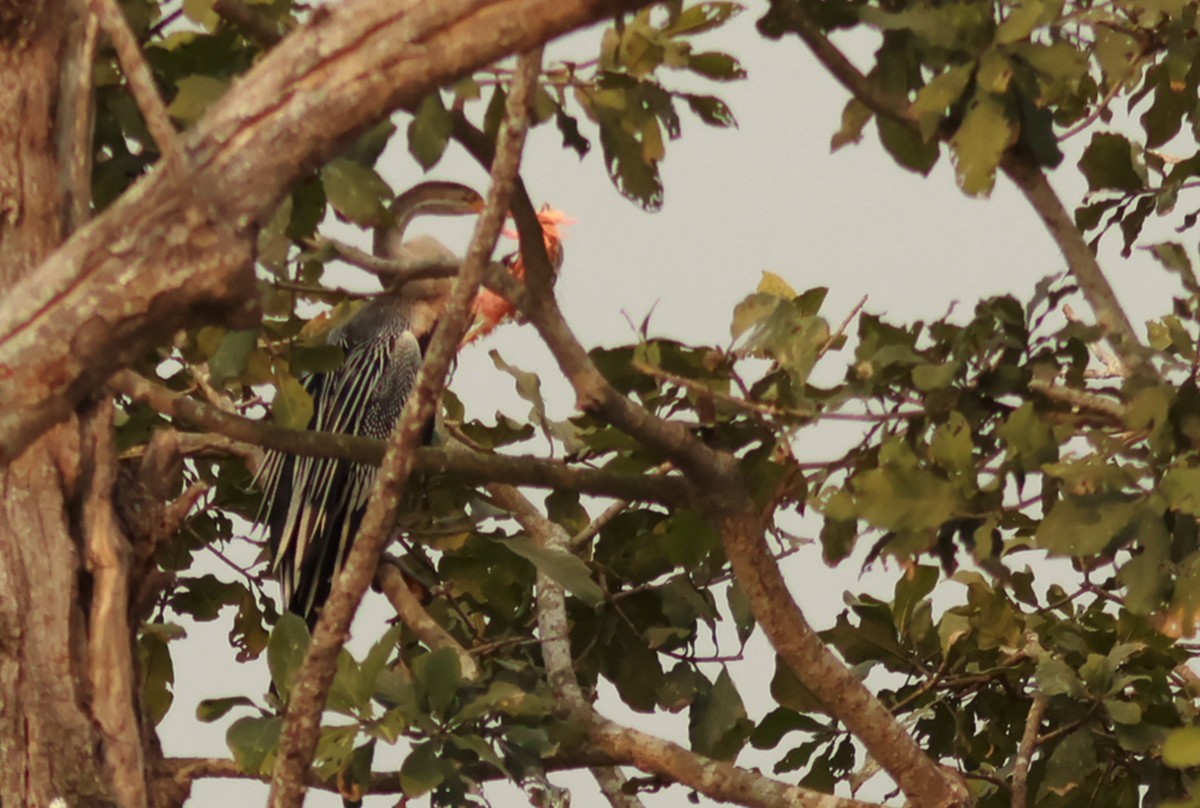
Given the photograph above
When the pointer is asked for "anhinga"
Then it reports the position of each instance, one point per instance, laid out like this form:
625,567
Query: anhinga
313,507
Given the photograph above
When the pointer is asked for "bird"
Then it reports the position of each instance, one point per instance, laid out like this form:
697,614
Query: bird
313,507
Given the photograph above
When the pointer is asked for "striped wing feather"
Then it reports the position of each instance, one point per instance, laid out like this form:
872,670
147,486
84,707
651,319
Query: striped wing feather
313,506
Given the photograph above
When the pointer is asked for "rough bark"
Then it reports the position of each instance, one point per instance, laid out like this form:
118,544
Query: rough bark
49,744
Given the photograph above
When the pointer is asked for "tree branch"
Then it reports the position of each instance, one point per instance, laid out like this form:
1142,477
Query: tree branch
473,467
554,630
1020,776
77,110
110,636
1027,176
727,504
716,779
140,79
302,724
706,467
177,249
413,615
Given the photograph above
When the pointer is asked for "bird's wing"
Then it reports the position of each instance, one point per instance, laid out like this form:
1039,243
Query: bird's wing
314,505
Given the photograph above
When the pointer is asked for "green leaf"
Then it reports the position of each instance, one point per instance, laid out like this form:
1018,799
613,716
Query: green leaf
209,710
438,675
1085,525
1071,764
429,131
1055,677
1124,712
712,110
229,362
624,158
285,651
158,676
702,17
1108,164
375,662
790,692
195,94
348,694
952,26
905,500
716,66
855,116
1030,440
741,610
292,406
717,723
201,11
776,286
980,142
421,770
356,192
1020,22
568,127
1173,256
1181,750
935,99
563,568
907,147
254,741
204,597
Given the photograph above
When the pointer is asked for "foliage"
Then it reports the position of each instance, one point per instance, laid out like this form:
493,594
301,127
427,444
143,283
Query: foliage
989,443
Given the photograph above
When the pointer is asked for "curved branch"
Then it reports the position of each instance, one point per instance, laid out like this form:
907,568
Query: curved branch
302,723
176,250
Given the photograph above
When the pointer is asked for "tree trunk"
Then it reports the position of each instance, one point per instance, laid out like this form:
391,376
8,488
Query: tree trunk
49,745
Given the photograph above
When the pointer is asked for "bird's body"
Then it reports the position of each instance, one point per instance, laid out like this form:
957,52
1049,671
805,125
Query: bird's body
313,506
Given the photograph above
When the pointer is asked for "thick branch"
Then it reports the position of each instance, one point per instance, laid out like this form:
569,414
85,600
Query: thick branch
301,727
846,698
476,468
176,250
110,637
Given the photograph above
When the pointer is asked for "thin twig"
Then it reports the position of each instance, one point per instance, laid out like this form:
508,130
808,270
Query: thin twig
1103,105
412,614
836,335
140,78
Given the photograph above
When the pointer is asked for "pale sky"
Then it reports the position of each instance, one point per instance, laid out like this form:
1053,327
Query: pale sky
768,195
